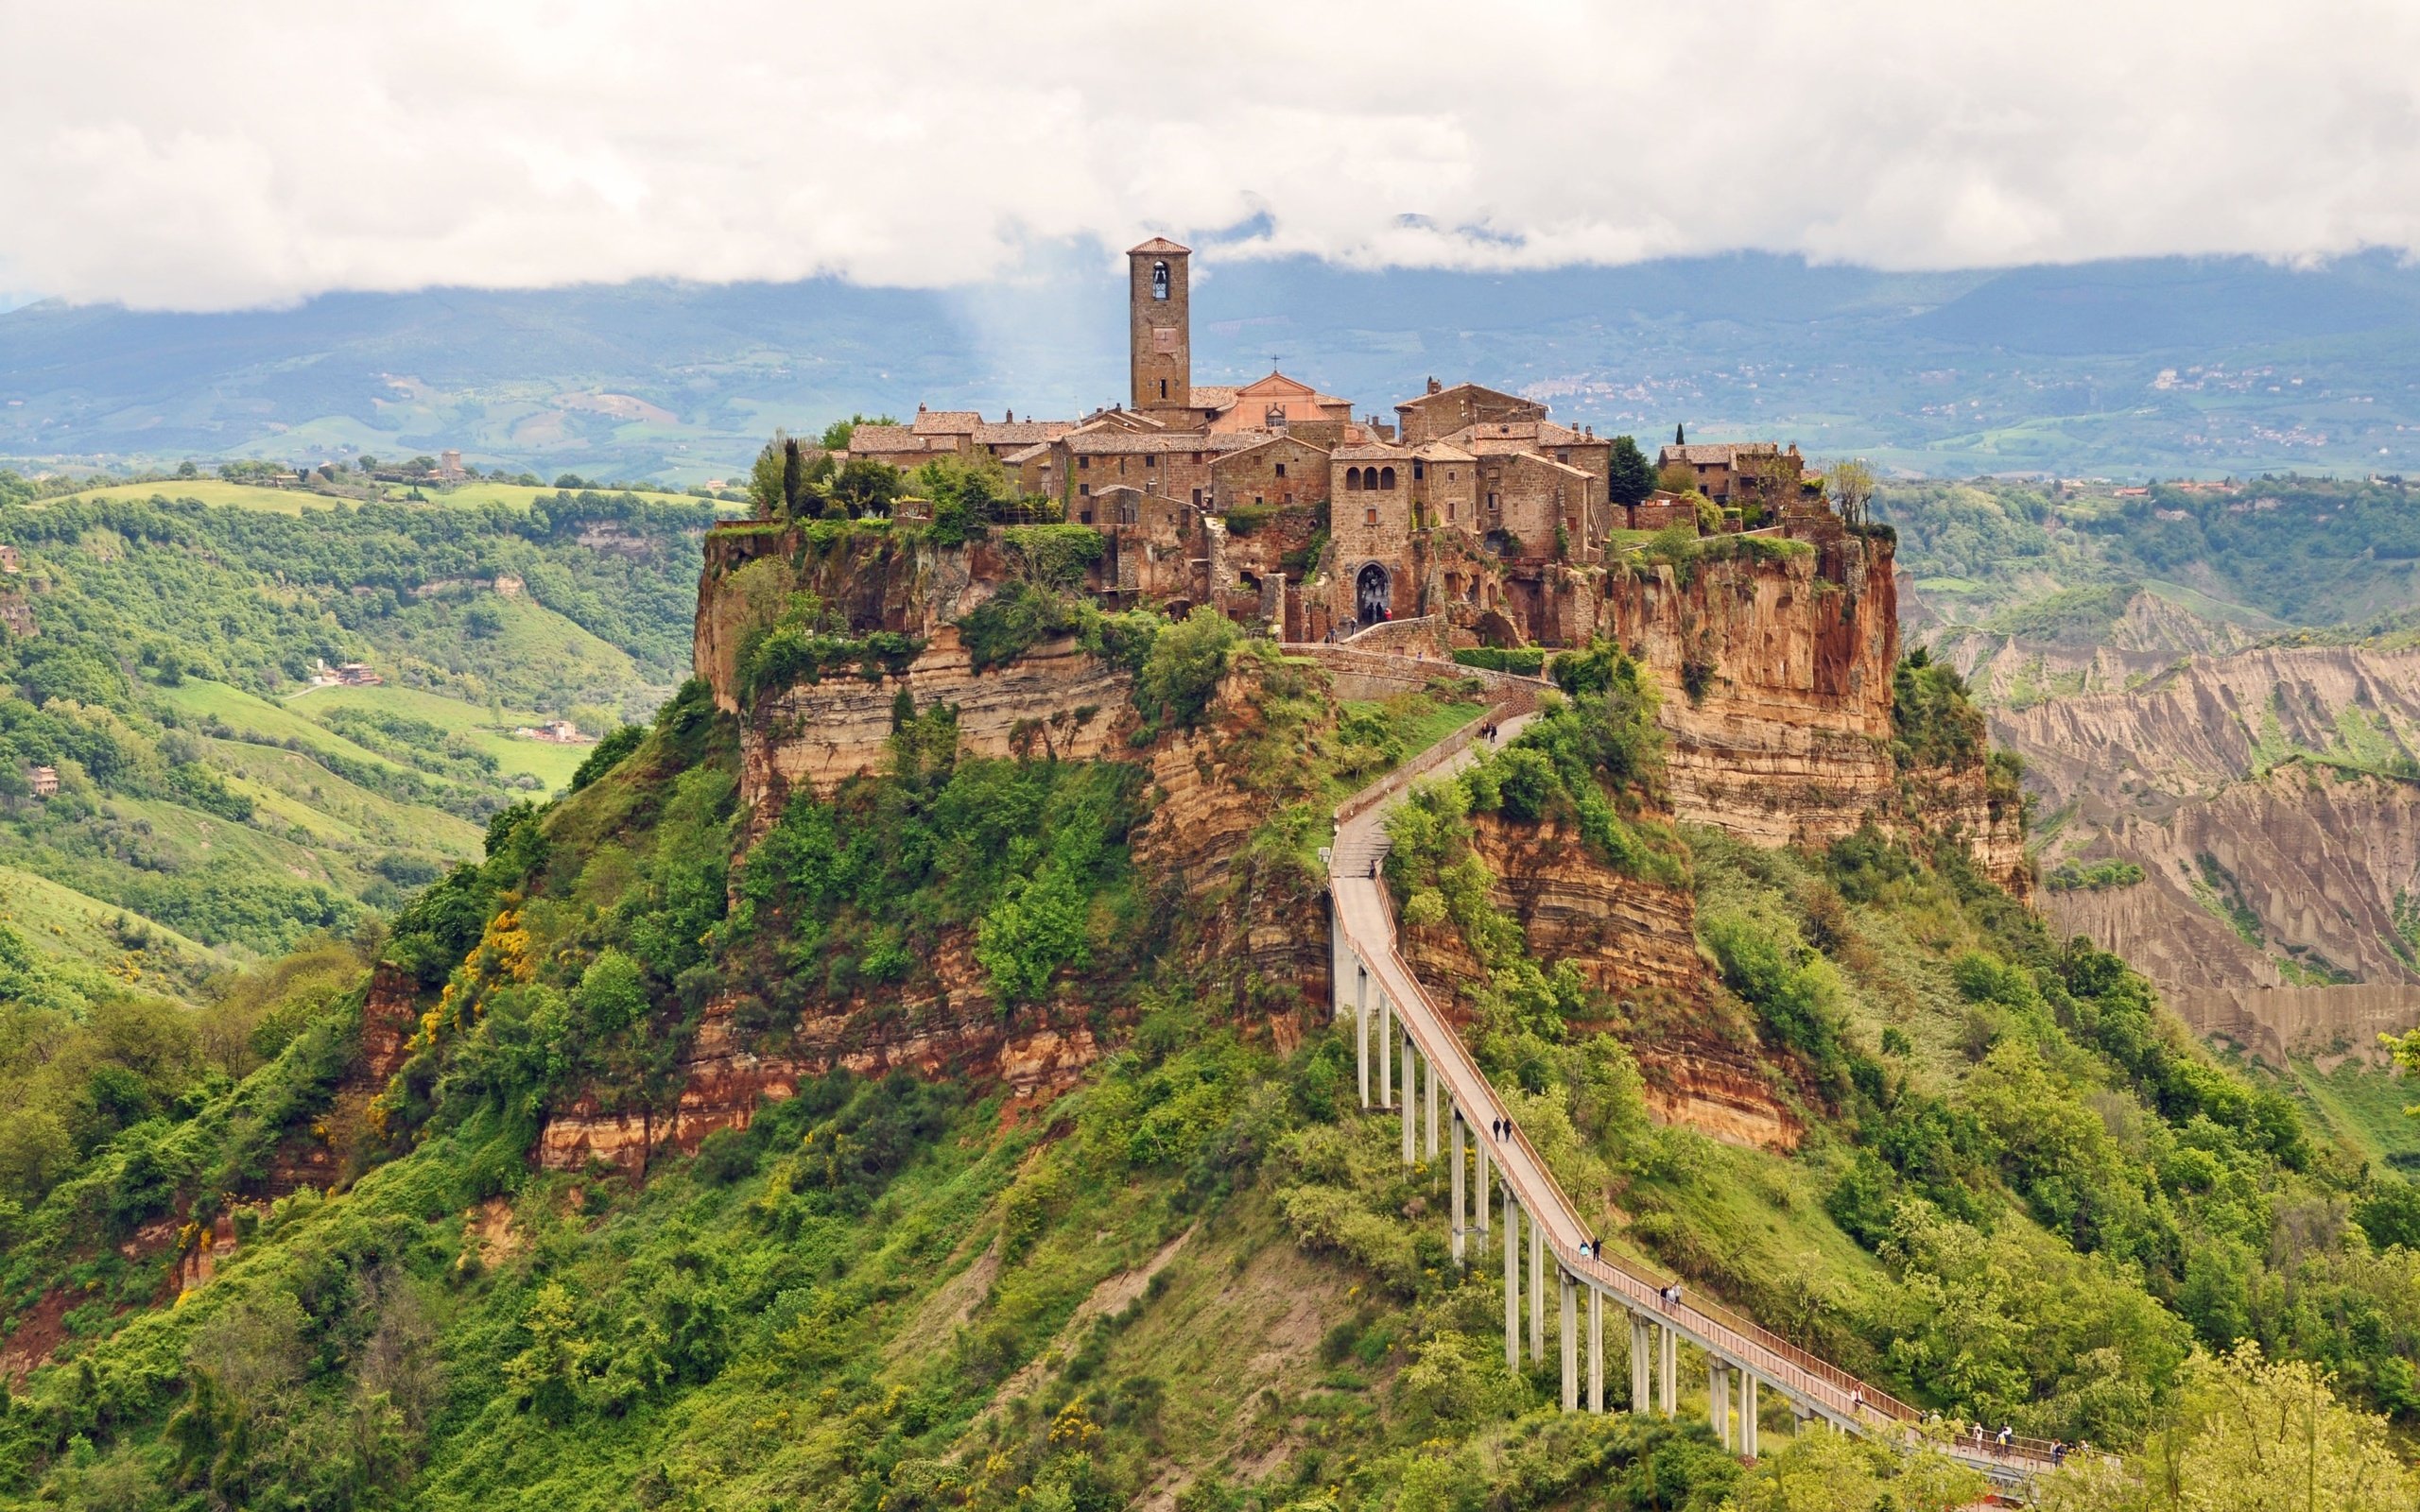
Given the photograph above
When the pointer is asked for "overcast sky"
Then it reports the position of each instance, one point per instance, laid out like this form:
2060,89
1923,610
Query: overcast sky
213,156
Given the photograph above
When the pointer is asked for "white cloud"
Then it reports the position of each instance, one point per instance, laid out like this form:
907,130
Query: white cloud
213,156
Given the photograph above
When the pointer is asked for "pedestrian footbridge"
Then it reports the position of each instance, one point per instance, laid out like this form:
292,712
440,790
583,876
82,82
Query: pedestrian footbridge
1504,1199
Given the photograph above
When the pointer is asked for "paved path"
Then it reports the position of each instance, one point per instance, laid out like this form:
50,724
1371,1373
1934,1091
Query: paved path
1365,915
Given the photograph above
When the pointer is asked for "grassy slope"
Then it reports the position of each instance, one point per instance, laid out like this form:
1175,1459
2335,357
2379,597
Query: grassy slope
2366,1106
434,636
58,920
551,765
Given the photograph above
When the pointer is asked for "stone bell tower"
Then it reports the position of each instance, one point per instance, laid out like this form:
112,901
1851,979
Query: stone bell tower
1161,334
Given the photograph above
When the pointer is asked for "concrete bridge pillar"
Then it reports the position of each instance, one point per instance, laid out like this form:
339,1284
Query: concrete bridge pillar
1480,1207
1512,1282
1361,1023
1537,1291
1428,1095
1457,1188
1641,1403
1596,1351
1386,1051
1748,1408
1568,1338
1718,1402
1411,1102
1667,1368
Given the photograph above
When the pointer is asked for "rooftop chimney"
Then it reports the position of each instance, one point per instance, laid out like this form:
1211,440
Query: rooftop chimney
1434,386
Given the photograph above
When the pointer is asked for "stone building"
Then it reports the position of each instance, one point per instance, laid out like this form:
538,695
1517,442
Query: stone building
1442,411
1473,506
1735,471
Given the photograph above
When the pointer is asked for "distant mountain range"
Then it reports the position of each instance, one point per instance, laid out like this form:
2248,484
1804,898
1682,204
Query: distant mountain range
2157,367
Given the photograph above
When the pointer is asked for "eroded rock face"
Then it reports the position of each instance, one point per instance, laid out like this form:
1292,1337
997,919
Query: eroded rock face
954,1033
2259,869
1776,680
1057,700
1635,942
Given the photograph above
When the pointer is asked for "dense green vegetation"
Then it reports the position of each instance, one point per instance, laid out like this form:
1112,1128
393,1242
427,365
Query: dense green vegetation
2021,1193
2263,555
201,803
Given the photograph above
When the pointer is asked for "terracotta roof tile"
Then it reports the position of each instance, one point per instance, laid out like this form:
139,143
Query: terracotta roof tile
946,422
1711,453
1157,244
1110,441
1021,432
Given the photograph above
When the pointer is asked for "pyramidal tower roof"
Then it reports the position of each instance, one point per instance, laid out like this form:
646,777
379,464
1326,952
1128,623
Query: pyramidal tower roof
1159,244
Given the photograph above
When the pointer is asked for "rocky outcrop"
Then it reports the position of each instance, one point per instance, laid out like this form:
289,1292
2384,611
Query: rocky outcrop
1724,1097
1776,679
2213,721
1634,943
955,1033
1629,939
2328,1024
1055,700
389,1016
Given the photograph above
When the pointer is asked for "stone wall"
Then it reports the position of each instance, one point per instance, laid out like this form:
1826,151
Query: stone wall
1280,471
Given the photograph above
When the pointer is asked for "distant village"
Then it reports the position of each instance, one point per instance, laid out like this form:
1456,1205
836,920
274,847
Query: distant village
1469,500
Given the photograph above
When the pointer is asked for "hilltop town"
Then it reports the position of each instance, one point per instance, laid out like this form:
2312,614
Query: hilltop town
1275,503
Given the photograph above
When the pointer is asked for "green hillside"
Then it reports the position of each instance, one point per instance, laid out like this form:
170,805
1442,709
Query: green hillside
224,493
1198,1276
218,796
2271,556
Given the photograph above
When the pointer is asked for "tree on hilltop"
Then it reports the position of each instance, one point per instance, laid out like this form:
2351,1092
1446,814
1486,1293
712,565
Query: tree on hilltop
1629,478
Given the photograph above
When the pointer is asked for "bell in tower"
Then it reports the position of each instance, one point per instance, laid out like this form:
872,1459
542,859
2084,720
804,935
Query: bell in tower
1160,334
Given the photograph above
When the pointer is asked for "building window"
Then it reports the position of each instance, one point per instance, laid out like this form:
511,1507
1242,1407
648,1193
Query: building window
1289,495
1452,510
1085,518
1370,516
1418,470
1084,462
1151,461
1159,281
1281,469
1085,489
1164,388
1197,458
1197,498
1492,504
1386,478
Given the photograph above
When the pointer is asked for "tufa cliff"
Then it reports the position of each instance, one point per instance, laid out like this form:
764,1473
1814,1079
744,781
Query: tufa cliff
1774,666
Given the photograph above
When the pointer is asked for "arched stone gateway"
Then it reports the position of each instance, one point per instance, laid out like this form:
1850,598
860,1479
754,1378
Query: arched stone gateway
1372,596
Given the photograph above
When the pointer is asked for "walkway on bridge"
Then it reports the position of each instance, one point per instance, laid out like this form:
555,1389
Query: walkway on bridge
1377,990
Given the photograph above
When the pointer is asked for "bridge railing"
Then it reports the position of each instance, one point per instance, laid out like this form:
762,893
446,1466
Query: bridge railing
1858,1399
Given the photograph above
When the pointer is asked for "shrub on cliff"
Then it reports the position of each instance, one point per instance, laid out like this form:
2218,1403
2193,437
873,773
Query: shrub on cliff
1013,621
1934,723
1182,672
